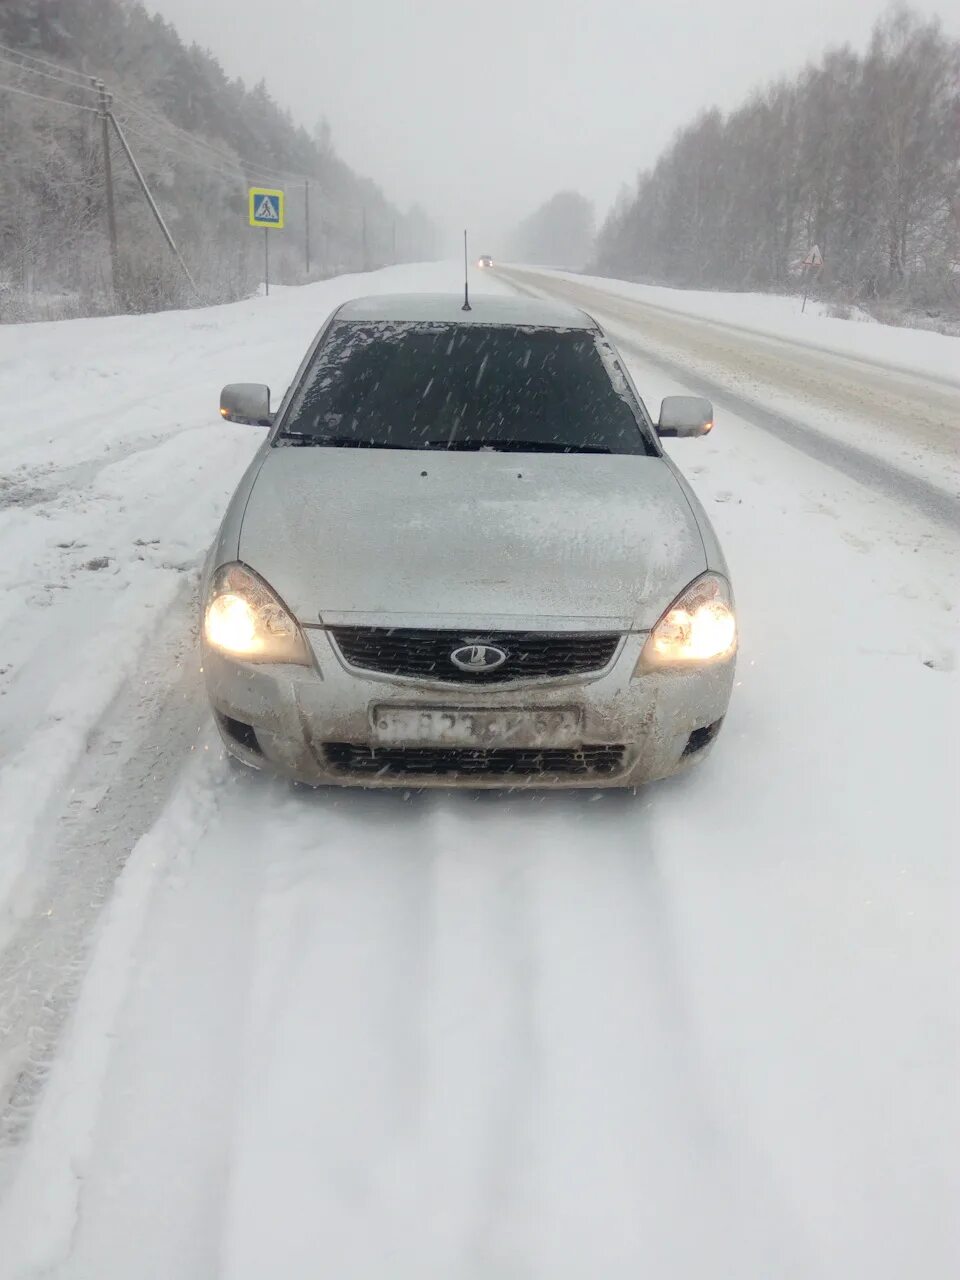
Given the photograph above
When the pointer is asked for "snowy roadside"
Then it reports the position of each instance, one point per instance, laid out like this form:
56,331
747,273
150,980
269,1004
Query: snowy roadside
893,347
524,1035
906,422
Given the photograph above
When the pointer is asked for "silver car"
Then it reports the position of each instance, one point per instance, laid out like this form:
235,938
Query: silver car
461,558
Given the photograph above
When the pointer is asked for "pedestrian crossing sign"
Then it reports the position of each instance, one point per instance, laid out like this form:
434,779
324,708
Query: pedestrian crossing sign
266,208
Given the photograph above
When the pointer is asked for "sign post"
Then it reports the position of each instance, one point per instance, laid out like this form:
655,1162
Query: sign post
267,211
812,262
306,225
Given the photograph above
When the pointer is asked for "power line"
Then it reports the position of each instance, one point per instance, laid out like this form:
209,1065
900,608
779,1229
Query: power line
192,139
82,83
204,154
236,175
42,97
47,75
267,170
55,66
233,174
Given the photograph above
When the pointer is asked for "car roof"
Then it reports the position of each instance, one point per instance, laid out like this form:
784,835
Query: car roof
447,308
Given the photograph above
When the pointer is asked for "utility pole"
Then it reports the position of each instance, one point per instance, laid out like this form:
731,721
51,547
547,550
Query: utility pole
366,260
152,203
306,223
104,101
394,239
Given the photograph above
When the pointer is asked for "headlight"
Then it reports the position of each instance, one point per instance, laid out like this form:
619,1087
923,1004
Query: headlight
244,619
699,626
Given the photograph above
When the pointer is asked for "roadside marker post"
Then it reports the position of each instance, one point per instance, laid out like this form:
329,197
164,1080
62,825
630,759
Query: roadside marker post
267,211
812,262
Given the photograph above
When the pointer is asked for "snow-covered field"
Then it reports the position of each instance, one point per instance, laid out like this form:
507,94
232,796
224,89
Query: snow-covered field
710,1029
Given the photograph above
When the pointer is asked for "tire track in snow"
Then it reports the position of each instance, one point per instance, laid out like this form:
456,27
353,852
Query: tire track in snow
156,1119
36,486
463,1003
134,755
54,605
482,1057
382,968
507,1150
620,1088
335,1062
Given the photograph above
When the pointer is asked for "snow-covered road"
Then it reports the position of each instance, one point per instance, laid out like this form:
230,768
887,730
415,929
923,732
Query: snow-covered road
894,427
711,1029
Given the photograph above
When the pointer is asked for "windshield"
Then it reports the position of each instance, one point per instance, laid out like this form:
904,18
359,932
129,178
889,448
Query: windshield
464,386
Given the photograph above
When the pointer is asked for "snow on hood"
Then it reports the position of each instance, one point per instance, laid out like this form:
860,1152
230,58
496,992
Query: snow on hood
470,539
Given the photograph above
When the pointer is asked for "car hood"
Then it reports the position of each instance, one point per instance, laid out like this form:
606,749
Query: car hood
374,536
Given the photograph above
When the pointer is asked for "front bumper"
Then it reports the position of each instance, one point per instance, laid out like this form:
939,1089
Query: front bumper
279,717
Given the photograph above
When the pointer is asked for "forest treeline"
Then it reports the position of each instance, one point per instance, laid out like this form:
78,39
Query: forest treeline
200,138
557,234
859,155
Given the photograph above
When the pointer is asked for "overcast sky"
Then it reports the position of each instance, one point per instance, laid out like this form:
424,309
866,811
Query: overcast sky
482,109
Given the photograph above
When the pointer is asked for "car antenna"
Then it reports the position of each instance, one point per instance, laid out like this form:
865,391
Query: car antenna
466,277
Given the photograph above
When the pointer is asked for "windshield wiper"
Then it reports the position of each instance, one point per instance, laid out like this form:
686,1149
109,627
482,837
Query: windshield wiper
514,446
296,439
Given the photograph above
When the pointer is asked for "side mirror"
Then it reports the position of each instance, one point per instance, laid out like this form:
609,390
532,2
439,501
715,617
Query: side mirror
685,416
247,403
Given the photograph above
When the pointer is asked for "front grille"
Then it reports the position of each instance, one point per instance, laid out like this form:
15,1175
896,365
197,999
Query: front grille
397,651
502,762
438,762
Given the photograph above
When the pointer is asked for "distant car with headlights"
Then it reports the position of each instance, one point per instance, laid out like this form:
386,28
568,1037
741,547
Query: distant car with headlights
485,261
462,558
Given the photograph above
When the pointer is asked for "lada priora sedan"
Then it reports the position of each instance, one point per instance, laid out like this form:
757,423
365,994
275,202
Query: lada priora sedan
462,558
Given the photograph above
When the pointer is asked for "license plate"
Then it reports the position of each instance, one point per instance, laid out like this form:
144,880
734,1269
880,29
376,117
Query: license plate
503,727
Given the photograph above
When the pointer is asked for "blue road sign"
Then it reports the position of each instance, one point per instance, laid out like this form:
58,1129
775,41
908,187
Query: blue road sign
266,207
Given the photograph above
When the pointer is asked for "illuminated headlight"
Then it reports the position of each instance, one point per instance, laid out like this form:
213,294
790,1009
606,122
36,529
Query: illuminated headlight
698,627
244,619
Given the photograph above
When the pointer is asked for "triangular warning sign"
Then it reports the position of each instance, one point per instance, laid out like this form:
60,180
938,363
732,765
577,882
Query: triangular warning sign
814,258
267,211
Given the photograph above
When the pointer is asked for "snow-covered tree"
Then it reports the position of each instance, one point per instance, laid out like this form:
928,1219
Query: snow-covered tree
201,139
559,233
859,155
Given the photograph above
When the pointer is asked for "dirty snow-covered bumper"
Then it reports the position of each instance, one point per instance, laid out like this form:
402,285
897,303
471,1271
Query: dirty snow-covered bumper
315,724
